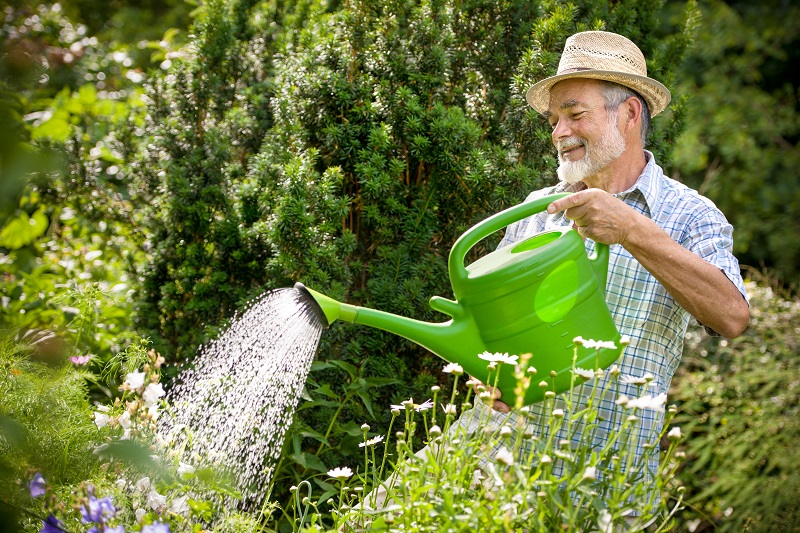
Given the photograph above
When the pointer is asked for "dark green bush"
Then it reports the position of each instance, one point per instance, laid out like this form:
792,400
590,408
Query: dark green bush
739,405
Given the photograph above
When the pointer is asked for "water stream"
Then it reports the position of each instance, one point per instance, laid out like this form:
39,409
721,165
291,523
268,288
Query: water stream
233,406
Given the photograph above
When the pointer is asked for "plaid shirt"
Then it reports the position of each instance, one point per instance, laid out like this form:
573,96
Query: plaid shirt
641,307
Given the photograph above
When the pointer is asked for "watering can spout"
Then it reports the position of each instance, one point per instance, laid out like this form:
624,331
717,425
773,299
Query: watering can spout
327,309
443,338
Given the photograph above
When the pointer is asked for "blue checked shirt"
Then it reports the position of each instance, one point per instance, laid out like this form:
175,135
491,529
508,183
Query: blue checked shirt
641,307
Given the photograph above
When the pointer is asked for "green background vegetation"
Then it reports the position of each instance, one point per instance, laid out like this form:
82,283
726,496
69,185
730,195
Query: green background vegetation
164,164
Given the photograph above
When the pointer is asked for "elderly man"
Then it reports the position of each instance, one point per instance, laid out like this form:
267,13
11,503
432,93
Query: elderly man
670,248
670,255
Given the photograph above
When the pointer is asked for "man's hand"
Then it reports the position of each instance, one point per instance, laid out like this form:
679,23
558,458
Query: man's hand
598,215
495,393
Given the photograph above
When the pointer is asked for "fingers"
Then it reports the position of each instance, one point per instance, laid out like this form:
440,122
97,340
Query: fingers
501,407
495,396
573,200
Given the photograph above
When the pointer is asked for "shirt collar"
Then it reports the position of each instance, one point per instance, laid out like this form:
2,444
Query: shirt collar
648,184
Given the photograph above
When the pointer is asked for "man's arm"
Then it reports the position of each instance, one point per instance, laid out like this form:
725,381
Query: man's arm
697,285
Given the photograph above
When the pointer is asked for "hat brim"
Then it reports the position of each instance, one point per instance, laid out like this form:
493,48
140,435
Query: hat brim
654,93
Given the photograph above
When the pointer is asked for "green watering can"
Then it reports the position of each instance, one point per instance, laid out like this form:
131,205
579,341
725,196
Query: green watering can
534,296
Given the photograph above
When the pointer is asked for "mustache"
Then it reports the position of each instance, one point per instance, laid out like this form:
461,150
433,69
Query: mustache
569,144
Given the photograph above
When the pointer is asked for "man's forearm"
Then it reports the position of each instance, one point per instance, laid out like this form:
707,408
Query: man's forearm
697,285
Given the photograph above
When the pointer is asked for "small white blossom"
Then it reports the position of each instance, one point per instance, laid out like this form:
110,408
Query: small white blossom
546,459
631,380
152,393
156,501
504,456
450,409
674,434
599,344
180,505
500,358
428,404
453,368
340,473
558,413
590,474
143,484
604,522
582,372
140,514
125,420
655,403
622,400
134,380
435,431
532,370
505,431
185,469
100,419
625,340
371,442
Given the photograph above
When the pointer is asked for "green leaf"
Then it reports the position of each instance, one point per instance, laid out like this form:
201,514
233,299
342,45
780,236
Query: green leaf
309,461
23,230
347,367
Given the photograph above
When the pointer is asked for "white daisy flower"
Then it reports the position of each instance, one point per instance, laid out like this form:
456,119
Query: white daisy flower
340,473
371,442
504,456
582,372
453,368
655,403
500,358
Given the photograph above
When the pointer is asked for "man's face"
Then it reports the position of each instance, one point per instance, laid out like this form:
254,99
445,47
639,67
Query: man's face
586,136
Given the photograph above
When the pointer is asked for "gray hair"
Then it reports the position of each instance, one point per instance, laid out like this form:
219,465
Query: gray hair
615,94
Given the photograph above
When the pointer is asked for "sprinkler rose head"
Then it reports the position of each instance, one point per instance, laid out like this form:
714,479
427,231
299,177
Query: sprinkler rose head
312,304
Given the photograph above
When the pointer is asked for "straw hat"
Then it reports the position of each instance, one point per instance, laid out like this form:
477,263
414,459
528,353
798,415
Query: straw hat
602,55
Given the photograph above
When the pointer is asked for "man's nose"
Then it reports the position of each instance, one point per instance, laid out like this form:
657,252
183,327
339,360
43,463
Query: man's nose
561,131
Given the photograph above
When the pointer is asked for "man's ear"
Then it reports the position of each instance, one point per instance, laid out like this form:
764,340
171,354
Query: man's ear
631,111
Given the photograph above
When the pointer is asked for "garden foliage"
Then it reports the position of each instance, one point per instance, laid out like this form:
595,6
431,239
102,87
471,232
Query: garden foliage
741,147
739,402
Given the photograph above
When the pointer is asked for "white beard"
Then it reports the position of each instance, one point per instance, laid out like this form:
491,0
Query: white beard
610,146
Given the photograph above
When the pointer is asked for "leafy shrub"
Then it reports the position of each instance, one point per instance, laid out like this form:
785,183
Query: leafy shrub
740,408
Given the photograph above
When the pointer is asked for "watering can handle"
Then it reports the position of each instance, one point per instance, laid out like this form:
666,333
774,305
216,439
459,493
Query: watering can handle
505,218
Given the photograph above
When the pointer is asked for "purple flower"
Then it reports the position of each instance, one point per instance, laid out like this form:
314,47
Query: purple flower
37,485
52,525
157,527
98,510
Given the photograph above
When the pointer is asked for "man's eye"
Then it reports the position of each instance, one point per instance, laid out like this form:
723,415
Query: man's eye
576,116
